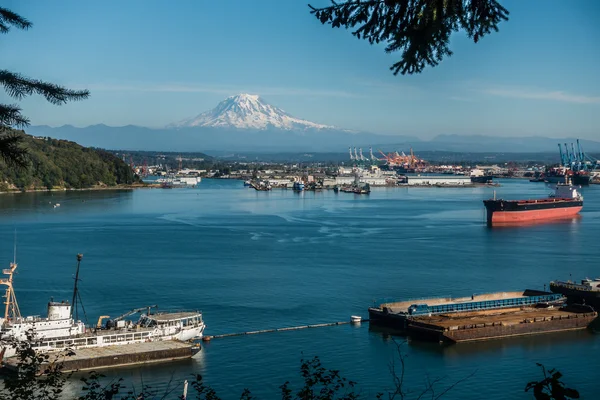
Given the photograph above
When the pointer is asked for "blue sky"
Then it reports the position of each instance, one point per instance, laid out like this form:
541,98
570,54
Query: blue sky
150,63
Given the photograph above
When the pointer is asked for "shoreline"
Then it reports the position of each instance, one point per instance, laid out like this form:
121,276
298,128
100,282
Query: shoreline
93,188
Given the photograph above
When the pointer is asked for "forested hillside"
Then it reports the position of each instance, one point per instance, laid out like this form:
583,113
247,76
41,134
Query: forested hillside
56,164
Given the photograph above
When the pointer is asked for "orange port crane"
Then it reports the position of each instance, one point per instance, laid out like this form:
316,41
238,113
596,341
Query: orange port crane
396,159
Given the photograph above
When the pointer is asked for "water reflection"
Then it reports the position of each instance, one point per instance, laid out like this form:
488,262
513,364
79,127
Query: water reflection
493,346
60,203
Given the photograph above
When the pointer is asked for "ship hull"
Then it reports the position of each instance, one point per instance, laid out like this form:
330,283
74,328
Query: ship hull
513,212
575,296
481,179
580,179
555,179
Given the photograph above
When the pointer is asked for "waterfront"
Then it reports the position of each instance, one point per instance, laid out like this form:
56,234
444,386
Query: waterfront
257,260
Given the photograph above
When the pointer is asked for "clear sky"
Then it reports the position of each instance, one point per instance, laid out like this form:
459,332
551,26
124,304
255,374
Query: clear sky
150,63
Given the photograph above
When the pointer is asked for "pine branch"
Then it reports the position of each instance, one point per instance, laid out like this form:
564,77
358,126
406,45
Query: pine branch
11,151
18,86
8,18
420,29
10,115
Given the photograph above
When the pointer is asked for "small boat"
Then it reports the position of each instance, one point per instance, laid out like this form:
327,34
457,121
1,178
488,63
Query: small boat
478,176
355,319
586,292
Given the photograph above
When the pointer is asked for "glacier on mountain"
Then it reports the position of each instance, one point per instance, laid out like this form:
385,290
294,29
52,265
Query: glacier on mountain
246,111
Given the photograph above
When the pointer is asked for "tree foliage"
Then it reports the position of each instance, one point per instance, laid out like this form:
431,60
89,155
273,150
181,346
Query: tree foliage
36,377
419,29
551,388
40,377
57,163
17,87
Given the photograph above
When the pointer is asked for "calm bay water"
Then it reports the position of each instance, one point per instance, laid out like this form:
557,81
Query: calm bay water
256,260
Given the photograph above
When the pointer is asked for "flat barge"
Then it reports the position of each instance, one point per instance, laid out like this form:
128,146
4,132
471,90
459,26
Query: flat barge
115,356
483,317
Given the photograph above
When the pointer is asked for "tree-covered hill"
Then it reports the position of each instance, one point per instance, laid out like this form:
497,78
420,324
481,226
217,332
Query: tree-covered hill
56,164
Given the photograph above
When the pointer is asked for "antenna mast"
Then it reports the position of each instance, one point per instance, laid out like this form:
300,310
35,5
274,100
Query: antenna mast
74,305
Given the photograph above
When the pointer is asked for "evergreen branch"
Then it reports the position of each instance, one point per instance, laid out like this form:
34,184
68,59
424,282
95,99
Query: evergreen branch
8,18
11,151
10,115
18,86
419,29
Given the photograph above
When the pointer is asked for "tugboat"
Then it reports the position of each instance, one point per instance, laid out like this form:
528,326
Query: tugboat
565,202
478,176
588,292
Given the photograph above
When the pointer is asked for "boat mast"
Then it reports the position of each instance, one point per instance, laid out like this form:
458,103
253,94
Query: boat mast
74,305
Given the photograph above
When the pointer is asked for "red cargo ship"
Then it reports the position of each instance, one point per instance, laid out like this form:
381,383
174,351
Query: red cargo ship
565,202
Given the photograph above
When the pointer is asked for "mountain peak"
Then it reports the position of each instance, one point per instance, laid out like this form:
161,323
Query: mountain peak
247,111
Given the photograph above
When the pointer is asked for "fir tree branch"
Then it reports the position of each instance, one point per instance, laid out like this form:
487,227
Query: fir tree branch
10,115
8,18
419,29
18,86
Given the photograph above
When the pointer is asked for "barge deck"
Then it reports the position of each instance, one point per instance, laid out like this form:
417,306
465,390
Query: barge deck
116,356
486,325
482,317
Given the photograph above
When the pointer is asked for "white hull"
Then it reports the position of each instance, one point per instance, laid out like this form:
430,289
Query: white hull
68,334
105,339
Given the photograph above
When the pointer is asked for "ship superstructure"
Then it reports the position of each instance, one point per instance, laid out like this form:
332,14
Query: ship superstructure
586,292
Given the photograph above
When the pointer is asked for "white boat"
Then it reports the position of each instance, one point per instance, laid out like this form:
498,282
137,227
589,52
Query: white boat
59,330
175,181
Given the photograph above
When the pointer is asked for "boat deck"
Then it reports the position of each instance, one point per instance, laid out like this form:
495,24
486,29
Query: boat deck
402,306
506,317
171,316
112,356
494,325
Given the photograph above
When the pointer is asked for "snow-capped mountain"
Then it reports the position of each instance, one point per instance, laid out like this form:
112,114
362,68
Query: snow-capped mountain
245,111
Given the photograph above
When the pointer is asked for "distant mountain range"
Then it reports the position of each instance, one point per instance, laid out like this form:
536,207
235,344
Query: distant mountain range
247,123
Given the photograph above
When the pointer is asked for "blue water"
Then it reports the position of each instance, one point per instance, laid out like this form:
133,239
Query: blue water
256,260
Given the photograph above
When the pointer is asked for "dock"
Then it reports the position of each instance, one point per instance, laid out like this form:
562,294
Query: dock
117,356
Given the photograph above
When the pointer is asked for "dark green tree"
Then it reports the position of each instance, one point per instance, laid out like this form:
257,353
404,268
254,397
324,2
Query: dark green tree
17,87
551,388
420,29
